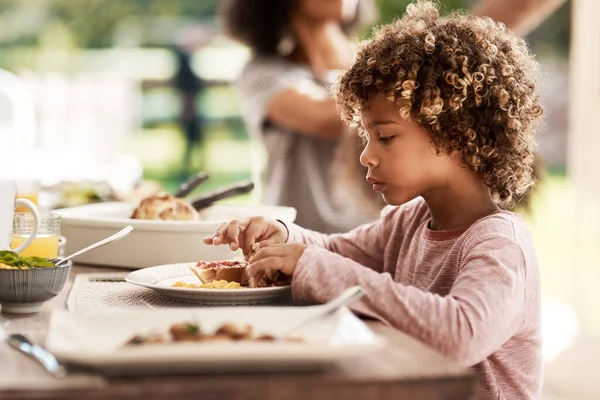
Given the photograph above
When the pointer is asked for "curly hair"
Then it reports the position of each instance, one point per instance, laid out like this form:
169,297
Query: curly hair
467,80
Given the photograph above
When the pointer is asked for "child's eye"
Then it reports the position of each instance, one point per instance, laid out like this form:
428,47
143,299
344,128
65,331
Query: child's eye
386,139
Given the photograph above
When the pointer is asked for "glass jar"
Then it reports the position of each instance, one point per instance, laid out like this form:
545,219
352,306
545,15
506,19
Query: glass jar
45,243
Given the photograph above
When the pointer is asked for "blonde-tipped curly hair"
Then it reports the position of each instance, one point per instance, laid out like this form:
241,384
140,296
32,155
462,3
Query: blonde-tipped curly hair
467,80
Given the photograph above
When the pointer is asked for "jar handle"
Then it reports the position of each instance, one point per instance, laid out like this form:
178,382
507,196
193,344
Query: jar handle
36,227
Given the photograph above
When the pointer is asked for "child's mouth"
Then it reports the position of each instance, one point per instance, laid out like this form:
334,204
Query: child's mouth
378,186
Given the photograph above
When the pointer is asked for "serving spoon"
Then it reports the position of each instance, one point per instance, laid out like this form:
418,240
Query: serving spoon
113,238
191,184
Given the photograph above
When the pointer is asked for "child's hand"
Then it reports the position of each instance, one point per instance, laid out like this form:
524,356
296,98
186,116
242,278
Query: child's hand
282,257
243,233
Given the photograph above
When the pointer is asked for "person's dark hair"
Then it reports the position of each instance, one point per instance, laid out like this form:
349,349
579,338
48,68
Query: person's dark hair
262,24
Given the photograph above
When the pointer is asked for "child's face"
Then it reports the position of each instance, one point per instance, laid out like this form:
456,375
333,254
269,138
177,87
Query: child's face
402,163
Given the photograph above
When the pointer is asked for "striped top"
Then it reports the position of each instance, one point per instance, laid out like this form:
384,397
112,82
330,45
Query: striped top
299,167
473,294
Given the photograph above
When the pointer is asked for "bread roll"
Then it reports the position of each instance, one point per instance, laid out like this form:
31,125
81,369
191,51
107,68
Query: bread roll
165,207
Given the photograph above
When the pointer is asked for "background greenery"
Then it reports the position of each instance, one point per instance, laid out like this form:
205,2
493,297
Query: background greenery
93,24
79,28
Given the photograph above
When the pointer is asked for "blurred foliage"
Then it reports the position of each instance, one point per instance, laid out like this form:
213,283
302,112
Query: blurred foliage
92,23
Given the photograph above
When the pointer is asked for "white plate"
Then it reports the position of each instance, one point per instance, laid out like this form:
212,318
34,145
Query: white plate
152,242
161,278
96,340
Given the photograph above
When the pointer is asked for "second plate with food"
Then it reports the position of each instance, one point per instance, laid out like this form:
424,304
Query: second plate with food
164,278
100,340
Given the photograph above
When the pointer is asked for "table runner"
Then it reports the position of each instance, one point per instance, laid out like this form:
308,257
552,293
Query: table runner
108,292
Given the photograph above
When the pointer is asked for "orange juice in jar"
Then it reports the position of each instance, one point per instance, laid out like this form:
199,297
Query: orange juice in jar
46,242
42,246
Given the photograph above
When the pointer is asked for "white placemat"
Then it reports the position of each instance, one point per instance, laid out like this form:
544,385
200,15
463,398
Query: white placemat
108,292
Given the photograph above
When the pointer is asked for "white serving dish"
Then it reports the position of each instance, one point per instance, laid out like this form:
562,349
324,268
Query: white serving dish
152,242
96,340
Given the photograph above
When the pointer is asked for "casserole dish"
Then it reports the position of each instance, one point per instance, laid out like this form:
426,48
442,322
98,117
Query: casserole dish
153,242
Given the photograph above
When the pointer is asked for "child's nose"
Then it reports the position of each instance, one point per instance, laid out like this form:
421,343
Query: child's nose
367,157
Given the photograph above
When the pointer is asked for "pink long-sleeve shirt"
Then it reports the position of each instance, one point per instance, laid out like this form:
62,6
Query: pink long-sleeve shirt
473,294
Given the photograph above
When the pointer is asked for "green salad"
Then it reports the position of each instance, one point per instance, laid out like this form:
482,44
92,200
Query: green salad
11,260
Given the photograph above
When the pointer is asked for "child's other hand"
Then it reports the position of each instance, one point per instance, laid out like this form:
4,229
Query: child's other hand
282,257
243,233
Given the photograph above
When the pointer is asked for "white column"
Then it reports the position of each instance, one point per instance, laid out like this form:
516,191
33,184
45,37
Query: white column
584,158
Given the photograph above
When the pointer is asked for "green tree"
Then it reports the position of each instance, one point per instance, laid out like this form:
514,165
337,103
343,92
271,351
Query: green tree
93,22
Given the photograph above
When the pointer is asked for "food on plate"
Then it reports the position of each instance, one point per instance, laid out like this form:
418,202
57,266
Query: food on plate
165,207
11,260
220,284
271,277
191,332
228,270
235,271
147,339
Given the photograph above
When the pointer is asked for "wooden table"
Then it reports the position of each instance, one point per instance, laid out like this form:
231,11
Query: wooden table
405,370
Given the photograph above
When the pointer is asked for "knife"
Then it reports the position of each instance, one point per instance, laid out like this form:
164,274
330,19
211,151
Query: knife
38,353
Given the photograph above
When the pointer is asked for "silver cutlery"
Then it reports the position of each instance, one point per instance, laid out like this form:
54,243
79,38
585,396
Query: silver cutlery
349,295
113,238
38,353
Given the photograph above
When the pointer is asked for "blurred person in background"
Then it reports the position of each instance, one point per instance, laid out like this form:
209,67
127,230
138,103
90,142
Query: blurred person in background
298,47
190,87
521,16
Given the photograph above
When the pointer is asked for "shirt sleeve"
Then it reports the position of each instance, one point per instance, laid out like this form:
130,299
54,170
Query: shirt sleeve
480,313
365,244
260,81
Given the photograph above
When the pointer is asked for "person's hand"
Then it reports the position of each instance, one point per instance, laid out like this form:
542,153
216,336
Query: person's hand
282,257
243,233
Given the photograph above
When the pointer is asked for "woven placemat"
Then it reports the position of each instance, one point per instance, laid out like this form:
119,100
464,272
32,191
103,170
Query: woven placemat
108,292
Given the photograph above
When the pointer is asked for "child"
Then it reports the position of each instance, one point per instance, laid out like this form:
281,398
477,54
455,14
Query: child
447,107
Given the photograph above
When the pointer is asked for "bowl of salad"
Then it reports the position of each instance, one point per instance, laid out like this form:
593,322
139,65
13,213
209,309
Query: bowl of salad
26,283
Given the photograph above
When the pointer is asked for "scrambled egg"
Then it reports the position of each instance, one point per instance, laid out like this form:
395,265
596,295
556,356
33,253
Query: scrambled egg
222,284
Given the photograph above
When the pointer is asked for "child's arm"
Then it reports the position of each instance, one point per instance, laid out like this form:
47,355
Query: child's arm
521,16
362,245
480,313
